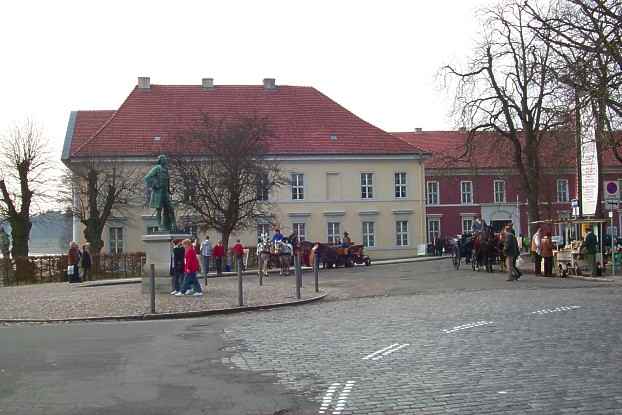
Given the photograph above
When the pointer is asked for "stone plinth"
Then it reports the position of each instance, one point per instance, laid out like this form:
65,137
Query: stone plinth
158,252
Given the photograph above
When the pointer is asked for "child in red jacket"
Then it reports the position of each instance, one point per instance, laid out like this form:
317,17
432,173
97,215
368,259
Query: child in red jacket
191,267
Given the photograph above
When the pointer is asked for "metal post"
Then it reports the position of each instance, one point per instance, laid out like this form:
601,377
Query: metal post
613,262
316,271
152,284
240,292
296,268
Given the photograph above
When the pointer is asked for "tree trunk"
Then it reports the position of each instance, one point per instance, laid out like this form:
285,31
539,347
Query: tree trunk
93,235
20,231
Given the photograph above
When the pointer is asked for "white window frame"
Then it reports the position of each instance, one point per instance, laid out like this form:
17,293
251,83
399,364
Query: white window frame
464,193
437,193
297,185
566,194
462,222
116,245
263,191
502,192
367,185
401,233
333,233
151,229
401,186
297,226
431,233
369,234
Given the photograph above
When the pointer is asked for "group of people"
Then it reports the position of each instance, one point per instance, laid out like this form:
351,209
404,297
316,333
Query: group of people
78,259
185,265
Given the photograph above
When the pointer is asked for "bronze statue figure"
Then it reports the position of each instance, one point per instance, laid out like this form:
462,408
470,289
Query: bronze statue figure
158,181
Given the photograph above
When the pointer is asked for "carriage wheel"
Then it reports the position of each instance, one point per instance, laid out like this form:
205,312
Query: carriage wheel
367,262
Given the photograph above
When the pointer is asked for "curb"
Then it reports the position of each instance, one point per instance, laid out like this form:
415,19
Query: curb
593,279
169,316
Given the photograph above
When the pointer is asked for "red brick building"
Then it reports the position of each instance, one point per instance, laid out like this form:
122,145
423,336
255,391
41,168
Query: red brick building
461,187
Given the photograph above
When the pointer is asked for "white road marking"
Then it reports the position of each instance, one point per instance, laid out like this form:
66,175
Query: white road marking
388,352
339,404
369,356
468,326
555,310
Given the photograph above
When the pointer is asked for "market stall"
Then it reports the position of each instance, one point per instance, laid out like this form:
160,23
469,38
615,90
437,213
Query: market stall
567,257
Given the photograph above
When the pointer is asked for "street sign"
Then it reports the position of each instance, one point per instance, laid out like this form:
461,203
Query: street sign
612,204
612,191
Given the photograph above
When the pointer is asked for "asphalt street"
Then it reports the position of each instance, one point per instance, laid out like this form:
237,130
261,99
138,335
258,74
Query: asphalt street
461,346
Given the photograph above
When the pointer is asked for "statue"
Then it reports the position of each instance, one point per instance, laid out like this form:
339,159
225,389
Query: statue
158,181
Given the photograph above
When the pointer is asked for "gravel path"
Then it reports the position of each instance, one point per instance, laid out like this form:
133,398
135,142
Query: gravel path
62,300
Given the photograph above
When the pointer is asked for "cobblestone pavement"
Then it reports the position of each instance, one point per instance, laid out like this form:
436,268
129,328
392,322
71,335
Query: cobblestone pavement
545,346
58,300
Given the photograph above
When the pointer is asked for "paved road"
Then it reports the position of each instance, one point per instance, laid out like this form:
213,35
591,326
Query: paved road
469,344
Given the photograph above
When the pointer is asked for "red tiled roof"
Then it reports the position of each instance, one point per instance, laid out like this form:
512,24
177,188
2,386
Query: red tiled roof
88,123
301,118
490,150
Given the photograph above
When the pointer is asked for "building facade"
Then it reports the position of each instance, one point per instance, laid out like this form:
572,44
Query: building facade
345,175
458,189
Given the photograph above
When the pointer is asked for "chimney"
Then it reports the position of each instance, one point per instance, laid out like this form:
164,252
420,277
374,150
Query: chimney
418,129
207,83
269,83
144,82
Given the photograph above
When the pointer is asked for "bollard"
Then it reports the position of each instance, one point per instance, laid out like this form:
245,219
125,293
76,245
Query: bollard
240,292
316,271
296,268
152,284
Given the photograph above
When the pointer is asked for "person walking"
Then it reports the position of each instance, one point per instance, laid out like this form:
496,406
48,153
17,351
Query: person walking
218,253
206,253
511,251
590,246
73,263
536,250
546,247
177,267
86,261
191,267
238,253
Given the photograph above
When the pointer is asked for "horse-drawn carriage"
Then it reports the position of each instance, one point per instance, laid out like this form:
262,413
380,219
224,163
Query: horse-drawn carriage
335,256
482,250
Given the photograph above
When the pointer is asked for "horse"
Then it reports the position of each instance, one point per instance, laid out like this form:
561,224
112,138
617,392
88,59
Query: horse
263,256
284,250
327,254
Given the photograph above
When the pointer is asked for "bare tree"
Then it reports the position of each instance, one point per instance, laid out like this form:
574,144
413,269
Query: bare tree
96,189
509,88
24,163
228,178
587,35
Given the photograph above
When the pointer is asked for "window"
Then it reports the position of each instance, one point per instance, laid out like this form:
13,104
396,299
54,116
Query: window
367,185
401,233
263,228
499,191
334,236
116,240
298,186
467,224
152,230
299,229
562,190
263,189
434,229
400,185
432,197
466,193
369,238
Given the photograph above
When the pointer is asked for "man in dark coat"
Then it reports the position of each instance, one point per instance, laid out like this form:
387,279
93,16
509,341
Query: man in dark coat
511,251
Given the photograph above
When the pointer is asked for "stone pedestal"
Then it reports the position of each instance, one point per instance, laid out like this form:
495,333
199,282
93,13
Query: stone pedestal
158,252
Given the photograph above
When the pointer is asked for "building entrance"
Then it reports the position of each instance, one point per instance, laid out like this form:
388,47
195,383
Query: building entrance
498,225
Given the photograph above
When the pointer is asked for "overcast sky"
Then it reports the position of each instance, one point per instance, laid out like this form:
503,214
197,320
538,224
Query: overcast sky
379,59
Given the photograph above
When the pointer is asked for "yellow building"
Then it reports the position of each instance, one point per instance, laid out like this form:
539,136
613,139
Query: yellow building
345,175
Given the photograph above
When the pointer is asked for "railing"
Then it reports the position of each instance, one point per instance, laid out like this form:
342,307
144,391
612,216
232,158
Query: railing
53,268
